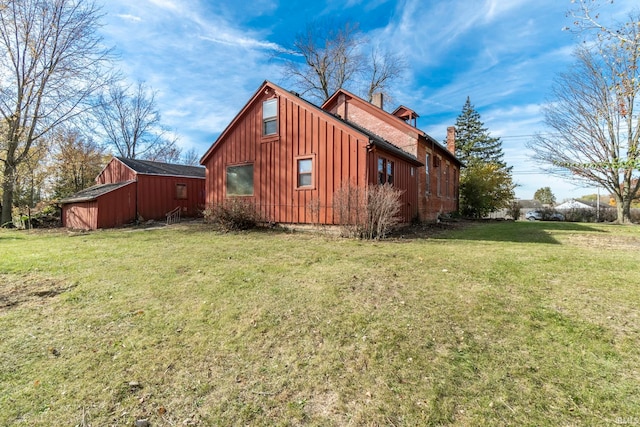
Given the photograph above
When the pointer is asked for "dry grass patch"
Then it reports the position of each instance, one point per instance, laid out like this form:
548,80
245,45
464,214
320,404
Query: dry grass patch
29,289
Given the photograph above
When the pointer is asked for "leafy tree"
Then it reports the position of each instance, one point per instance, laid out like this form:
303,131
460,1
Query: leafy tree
336,57
130,123
52,63
545,196
76,161
595,128
484,187
485,183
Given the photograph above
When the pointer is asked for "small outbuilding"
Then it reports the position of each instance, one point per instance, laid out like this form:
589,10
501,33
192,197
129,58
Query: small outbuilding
132,189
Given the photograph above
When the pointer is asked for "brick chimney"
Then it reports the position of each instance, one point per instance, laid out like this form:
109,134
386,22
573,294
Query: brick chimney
378,100
451,139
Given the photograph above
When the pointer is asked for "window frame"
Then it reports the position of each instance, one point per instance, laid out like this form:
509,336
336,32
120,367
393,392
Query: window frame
297,163
385,175
269,119
438,176
427,171
226,180
181,191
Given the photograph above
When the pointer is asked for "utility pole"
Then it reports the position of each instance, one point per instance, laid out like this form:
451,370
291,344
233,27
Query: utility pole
598,206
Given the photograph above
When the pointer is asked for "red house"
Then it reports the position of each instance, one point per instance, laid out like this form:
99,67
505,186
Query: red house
130,189
285,154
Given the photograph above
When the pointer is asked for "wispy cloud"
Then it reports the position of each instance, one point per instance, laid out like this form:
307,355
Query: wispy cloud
131,18
206,58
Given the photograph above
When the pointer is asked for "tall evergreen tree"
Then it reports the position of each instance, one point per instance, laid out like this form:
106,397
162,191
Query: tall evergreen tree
486,184
473,141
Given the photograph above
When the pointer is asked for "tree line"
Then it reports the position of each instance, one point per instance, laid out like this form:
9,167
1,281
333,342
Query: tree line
64,106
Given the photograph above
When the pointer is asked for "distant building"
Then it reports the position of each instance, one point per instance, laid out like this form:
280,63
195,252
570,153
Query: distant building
573,204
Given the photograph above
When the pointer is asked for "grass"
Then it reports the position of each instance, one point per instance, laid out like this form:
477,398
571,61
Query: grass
495,324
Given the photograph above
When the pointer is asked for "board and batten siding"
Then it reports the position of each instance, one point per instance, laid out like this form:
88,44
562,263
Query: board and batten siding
405,178
115,171
338,153
112,209
158,195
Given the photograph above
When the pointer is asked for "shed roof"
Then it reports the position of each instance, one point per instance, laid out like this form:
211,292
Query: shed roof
149,167
92,193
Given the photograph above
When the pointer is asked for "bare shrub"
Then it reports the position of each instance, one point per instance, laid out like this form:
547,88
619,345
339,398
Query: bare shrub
383,209
314,211
232,214
367,212
350,203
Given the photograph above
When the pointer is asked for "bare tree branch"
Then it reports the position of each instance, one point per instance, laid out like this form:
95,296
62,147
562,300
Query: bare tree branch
593,115
53,63
130,123
328,57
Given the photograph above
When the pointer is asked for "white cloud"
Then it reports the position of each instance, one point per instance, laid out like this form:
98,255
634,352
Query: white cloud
131,18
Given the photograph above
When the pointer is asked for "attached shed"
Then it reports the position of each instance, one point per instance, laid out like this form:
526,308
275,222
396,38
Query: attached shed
153,189
100,206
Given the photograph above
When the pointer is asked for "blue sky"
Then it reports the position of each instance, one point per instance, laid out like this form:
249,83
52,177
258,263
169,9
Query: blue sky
206,58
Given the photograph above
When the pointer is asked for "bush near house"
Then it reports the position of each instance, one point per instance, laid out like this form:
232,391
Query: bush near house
368,213
232,215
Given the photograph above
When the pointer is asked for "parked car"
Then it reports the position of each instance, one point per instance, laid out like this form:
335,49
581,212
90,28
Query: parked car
544,216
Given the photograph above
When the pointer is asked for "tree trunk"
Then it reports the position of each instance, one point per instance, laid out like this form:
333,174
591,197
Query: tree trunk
623,209
8,178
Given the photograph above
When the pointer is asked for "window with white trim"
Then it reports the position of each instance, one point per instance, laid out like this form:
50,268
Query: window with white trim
270,117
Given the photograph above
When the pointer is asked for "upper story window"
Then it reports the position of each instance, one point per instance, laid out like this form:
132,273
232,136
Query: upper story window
270,117
385,171
240,180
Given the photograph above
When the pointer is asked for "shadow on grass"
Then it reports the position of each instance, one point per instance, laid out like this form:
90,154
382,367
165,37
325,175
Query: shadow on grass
516,231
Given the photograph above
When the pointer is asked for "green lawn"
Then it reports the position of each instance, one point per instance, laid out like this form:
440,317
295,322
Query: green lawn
495,324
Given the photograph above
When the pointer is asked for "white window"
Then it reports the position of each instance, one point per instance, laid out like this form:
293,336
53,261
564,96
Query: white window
305,173
270,117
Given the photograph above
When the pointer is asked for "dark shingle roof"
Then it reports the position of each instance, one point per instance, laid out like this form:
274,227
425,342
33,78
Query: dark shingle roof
148,167
92,193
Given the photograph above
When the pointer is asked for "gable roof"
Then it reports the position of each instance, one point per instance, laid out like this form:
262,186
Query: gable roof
390,118
574,204
148,167
404,113
374,139
92,193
